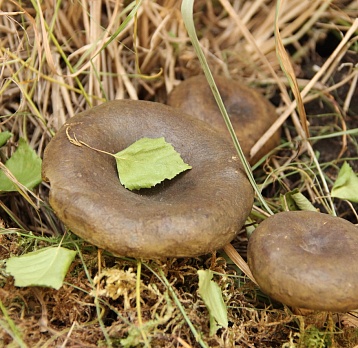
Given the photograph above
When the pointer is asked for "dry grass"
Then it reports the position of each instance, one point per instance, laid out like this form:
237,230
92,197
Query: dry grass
60,58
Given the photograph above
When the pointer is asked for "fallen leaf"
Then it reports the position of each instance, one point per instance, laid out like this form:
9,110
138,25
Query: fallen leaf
45,267
148,162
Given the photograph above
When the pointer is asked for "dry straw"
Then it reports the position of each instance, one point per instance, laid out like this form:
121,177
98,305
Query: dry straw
58,58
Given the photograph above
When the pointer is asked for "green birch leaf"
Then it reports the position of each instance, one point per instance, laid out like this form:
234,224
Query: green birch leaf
45,267
4,137
25,165
295,200
302,202
346,185
211,294
287,201
148,162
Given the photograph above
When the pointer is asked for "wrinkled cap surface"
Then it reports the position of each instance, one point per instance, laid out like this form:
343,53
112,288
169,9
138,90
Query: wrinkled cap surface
197,212
250,113
307,260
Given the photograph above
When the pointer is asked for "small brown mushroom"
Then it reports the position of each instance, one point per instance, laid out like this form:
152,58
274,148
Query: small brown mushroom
197,212
307,260
250,113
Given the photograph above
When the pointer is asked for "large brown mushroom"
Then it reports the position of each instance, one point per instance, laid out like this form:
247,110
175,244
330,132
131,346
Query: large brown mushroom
307,259
197,212
250,113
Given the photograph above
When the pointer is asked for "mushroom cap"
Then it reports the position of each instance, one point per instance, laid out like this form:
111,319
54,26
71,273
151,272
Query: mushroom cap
250,113
197,212
307,259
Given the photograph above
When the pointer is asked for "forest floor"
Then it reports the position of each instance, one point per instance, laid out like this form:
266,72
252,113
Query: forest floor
59,58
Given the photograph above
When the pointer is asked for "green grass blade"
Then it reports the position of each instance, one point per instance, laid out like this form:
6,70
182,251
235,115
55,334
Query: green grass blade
124,23
10,327
187,13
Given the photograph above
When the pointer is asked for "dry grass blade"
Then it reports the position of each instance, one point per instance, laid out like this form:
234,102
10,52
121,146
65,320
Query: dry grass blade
45,38
289,72
187,10
58,58
257,51
239,261
23,190
11,327
310,85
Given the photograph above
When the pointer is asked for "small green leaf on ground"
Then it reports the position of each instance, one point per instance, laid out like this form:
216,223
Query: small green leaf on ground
302,202
45,267
295,200
148,162
25,165
211,294
346,185
4,137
